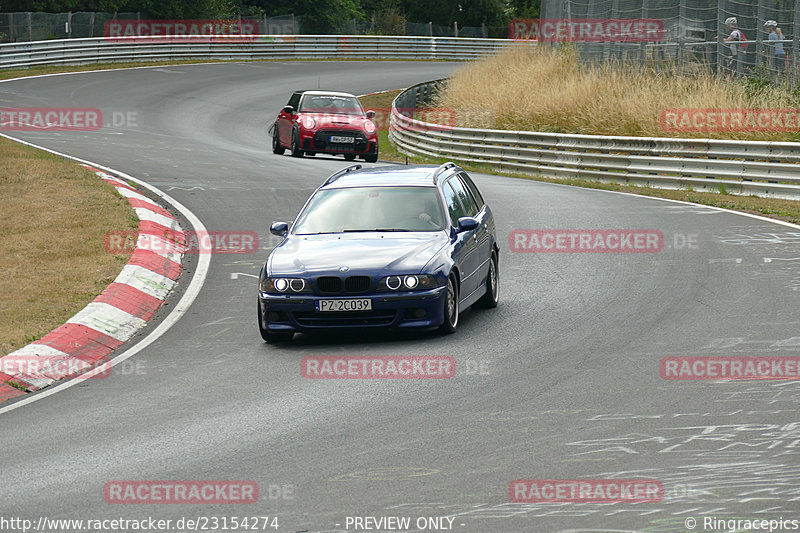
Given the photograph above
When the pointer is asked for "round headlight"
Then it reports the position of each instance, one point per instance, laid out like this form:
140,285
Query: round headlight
393,282
281,285
369,126
411,281
309,123
297,285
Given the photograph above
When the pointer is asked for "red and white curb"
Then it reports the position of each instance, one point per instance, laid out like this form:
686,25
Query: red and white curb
124,307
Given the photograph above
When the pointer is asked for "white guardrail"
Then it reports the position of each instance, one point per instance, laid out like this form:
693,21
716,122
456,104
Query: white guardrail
767,169
165,48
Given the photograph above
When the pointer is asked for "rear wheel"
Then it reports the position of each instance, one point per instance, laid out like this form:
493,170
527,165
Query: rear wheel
296,151
276,144
272,337
492,295
450,307
349,157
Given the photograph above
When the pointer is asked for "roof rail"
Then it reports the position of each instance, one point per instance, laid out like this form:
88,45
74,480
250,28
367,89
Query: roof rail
336,175
441,169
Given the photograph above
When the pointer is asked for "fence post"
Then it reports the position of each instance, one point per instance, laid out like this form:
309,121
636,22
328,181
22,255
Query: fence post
645,15
720,33
795,44
30,27
91,25
430,29
69,25
294,31
761,50
455,27
682,26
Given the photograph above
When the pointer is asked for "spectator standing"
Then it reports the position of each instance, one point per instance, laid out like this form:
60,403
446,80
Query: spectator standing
777,53
734,67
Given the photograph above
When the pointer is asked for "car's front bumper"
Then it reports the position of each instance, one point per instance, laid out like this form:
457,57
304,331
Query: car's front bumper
417,309
319,143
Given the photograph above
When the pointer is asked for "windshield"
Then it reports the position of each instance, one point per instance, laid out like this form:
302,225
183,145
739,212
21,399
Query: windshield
330,104
359,209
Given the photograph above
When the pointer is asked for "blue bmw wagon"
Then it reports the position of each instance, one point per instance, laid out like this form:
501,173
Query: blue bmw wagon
385,247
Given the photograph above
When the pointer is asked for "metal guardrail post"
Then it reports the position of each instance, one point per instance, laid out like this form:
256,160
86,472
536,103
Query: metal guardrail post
795,47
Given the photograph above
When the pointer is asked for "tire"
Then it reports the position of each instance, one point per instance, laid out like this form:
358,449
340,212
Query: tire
296,151
492,296
371,158
276,143
349,157
272,337
450,307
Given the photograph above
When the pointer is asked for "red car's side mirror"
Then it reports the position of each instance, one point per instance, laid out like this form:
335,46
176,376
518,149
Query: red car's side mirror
289,110
370,114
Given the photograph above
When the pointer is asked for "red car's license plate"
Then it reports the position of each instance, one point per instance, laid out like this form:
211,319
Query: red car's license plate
342,140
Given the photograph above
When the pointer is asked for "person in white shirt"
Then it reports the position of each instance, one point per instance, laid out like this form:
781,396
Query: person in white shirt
734,63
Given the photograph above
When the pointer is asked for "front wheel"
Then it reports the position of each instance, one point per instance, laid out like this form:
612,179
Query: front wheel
450,307
296,151
492,295
272,337
276,143
371,158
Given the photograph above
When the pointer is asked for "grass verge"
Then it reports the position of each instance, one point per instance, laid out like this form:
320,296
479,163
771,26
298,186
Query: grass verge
786,210
53,216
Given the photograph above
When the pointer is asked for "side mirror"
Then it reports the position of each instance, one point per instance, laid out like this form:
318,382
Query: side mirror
467,223
281,229
289,110
370,114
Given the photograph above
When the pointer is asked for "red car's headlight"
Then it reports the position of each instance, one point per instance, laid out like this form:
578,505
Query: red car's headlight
369,126
308,123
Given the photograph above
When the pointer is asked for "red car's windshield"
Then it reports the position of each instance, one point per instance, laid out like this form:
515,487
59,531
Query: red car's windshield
331,104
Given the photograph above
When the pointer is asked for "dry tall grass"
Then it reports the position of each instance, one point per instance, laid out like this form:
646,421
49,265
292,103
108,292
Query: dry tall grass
542,89
53,218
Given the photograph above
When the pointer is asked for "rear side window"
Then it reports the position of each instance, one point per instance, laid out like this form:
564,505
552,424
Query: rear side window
454,207
473,189
470,207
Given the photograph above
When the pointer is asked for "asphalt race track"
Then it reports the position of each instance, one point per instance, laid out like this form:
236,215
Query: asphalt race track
561,381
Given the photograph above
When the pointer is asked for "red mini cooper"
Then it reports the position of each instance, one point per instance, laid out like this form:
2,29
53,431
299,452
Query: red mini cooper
327,123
